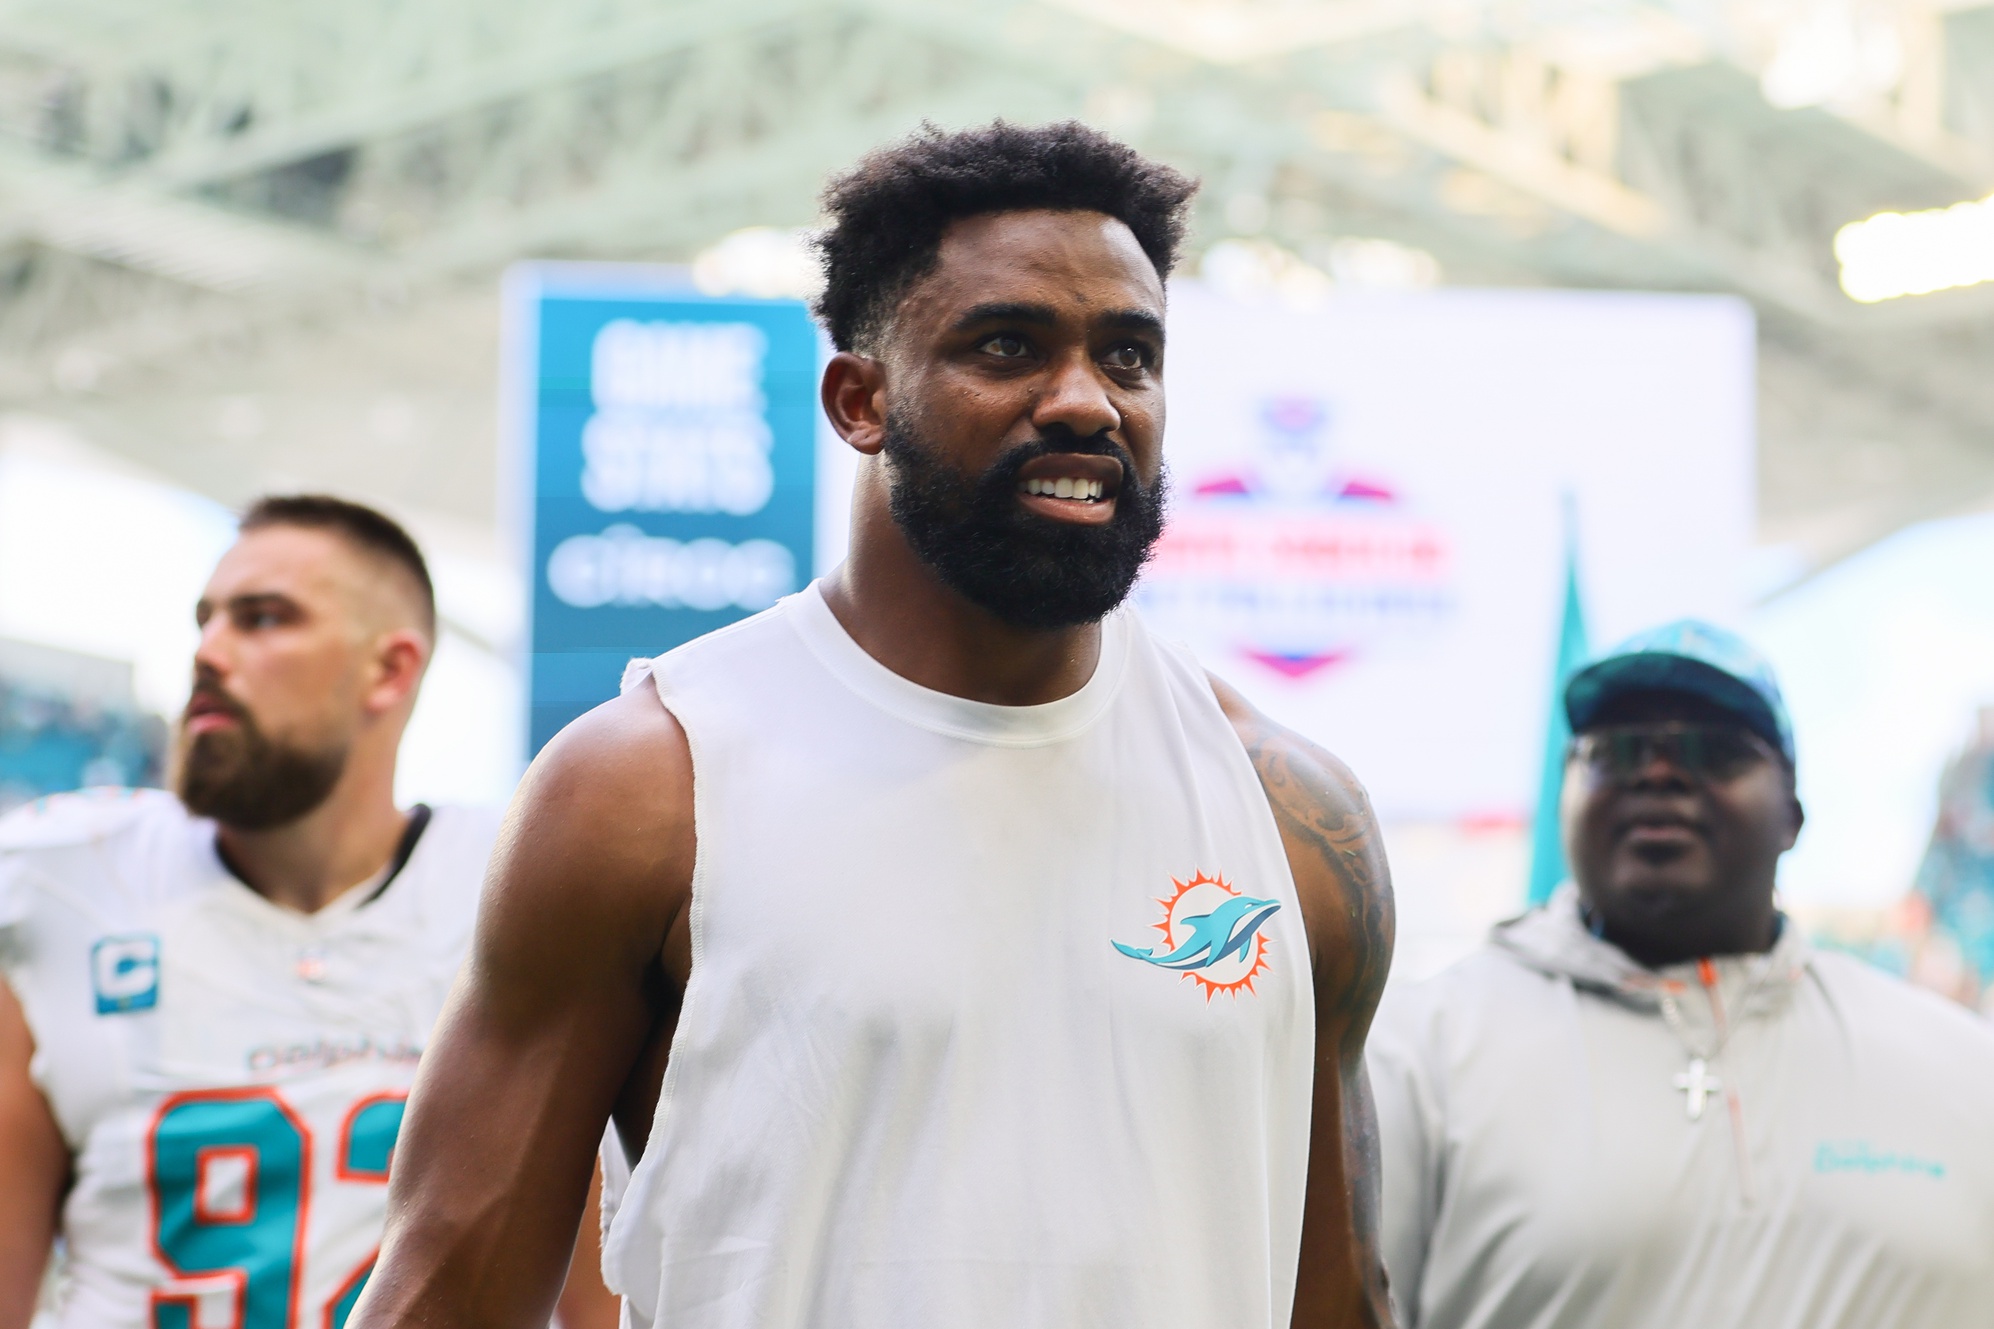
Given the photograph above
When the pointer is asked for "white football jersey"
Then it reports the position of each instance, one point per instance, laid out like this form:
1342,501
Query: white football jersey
229,1074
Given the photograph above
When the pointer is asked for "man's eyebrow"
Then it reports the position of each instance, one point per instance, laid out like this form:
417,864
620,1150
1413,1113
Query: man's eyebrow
262,599
1018,311
1007,311
1134,320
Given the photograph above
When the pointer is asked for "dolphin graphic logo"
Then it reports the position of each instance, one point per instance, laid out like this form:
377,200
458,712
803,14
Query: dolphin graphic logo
1227,930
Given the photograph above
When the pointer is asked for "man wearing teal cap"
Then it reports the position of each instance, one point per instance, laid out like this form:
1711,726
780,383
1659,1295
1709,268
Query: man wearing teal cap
1650,1102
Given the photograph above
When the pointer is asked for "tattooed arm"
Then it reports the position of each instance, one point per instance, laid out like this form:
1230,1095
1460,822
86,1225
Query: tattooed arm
1346,896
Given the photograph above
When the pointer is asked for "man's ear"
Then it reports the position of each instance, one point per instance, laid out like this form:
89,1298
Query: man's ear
1799,820
400,659
854,396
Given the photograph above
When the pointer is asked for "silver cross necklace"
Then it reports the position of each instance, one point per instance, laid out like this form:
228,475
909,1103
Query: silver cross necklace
1697,1084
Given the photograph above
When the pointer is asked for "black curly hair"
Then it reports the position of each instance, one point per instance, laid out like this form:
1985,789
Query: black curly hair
888,213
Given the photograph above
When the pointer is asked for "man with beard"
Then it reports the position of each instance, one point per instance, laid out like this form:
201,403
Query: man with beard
946,950
1651,1103
213,1005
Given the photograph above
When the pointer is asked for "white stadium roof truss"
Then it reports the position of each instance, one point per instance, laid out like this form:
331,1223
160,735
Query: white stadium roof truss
304,207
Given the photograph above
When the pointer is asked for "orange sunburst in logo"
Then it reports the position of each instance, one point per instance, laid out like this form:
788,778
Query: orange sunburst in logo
1194,899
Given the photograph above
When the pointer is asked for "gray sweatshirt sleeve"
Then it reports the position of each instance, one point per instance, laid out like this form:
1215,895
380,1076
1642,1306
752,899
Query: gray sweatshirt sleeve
1410,1129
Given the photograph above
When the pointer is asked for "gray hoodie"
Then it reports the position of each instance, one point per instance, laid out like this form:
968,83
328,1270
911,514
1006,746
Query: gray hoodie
1542,1169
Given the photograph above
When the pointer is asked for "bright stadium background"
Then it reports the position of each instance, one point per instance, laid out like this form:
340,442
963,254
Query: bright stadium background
247,247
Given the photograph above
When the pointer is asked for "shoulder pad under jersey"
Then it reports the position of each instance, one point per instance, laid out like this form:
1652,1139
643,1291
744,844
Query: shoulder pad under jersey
87,815
59,822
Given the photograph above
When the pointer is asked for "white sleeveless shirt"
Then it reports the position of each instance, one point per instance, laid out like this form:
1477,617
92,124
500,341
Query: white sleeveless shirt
999,1016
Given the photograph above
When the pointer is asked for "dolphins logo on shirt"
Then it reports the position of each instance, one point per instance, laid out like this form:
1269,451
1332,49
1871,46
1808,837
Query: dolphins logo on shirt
1211,933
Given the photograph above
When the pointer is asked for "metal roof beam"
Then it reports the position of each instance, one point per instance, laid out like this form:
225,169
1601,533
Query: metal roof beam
646,34
73,209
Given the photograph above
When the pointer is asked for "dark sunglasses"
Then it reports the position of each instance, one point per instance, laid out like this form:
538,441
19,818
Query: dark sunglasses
1712,753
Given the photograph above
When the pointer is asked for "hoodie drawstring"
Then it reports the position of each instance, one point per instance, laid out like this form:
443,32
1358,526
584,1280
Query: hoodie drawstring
1706,973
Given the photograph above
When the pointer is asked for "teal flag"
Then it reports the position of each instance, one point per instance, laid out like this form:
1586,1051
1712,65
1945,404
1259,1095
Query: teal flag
1547,849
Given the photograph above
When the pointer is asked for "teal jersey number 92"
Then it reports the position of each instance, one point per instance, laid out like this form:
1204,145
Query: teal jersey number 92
229,1171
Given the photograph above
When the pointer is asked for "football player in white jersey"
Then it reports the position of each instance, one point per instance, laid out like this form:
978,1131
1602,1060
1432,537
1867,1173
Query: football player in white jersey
214,1003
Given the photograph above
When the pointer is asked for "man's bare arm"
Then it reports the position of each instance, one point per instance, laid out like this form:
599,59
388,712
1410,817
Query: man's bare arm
1338,861
34,1170
581,949
585,1302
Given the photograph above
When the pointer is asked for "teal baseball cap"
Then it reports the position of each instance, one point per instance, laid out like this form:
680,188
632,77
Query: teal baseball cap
1687,656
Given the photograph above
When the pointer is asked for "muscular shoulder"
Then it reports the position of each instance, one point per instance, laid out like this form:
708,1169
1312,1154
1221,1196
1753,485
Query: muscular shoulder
616,778
1333,847
602,827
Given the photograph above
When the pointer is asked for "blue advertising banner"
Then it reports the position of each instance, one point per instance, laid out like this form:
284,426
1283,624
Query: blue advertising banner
666,467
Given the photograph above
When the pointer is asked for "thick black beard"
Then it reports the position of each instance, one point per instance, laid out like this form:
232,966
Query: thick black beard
1028,570
249,782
